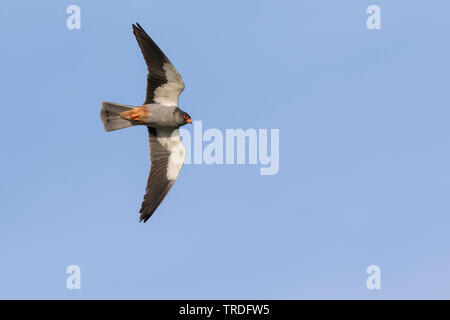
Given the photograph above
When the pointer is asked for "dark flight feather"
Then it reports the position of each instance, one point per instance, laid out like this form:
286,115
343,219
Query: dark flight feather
160,71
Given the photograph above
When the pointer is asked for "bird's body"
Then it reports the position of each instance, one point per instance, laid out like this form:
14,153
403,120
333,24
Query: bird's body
155,115
161,114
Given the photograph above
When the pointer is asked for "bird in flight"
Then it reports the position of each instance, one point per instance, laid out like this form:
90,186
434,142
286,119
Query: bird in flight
161,115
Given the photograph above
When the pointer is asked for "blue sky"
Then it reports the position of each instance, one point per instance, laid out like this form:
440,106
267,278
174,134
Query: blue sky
364,151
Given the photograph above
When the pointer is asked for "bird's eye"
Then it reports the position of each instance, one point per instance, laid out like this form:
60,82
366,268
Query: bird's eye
186,117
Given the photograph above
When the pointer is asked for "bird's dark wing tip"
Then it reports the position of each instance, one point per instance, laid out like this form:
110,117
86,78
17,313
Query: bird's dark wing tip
144,218
137,27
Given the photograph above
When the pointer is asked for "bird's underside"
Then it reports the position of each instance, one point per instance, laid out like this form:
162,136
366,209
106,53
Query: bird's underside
161,115
139,115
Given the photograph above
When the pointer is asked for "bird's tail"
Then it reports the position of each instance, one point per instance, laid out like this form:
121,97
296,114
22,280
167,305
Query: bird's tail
110,115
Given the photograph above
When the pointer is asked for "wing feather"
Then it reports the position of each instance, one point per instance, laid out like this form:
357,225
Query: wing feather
167,154
164,83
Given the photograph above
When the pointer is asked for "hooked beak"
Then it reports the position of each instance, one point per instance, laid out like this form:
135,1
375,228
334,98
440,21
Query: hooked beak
189,120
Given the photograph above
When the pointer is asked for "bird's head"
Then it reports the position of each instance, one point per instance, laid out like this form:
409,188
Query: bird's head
182,117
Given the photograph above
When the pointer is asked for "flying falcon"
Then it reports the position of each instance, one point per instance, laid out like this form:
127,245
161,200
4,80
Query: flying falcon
162,116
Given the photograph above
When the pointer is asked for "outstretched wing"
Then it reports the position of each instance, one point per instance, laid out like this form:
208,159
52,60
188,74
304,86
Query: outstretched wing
164,83
167,154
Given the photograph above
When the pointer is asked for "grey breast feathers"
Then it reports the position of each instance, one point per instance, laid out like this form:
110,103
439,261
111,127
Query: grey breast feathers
160,116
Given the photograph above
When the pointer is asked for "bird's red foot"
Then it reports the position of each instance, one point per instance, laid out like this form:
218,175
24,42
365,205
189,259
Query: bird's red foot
136,114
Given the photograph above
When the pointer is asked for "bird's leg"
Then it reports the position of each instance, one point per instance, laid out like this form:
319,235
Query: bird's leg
136,114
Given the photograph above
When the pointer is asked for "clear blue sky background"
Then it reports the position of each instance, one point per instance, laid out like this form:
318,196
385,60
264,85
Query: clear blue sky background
364,176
